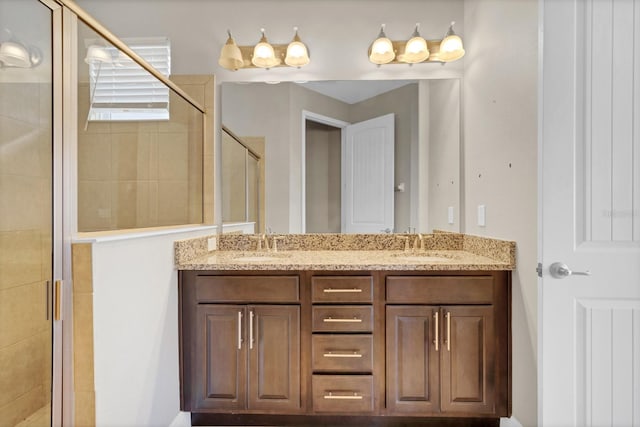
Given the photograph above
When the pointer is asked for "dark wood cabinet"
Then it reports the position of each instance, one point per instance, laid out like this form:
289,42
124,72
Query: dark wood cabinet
304,347
440,359
250,357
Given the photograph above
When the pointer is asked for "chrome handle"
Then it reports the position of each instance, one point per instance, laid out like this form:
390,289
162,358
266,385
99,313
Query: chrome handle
335,291
354,396
560,270
251,315
436,328
47,291
341,320
352,354
448,340
239,330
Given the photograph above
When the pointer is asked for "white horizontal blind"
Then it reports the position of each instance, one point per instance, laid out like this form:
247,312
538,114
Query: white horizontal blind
123,90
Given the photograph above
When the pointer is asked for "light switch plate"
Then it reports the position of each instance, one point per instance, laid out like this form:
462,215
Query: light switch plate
482,215
450,214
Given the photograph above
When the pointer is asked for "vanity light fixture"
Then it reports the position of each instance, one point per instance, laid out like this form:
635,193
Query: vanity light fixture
264,54
16,55
416,49
230,55
451,47
381,50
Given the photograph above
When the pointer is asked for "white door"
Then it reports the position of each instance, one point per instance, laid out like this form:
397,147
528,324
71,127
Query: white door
589,356
367,176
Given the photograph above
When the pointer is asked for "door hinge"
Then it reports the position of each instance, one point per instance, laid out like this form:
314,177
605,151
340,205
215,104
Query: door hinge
539,269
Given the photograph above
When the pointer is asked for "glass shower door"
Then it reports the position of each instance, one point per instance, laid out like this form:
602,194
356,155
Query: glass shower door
26,213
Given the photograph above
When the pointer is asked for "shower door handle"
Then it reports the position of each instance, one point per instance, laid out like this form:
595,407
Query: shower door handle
57,299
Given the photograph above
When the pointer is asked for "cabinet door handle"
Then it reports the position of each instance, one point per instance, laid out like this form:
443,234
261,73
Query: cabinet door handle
436,341
354,396
342,290
346,354
251,315
448,340
239,330
341,320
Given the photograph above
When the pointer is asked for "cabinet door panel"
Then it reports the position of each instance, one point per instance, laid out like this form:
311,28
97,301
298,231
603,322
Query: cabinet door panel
412,360
220,358
468,363
274,361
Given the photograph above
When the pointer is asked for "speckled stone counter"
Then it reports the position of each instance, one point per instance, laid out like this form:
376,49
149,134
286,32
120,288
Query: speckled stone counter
441,251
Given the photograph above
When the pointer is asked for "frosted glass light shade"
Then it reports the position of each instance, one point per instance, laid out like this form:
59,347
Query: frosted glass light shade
15,55
297,53
263,54
230,55
415,51
96,53
381,50
451,47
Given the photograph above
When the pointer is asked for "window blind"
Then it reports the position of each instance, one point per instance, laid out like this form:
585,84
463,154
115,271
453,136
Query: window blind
123,90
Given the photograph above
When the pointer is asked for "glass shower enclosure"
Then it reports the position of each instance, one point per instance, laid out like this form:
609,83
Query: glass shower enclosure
26,213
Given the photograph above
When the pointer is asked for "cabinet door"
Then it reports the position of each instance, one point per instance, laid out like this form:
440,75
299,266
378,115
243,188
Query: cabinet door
412,359
220,366
274,357
468,359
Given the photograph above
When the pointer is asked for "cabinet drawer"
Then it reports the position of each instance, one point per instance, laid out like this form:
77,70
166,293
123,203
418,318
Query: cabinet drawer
342,393
342,353
347,289
247,289
439,289
344,318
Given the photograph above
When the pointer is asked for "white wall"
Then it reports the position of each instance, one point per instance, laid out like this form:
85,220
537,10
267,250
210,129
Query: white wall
500,143
135,312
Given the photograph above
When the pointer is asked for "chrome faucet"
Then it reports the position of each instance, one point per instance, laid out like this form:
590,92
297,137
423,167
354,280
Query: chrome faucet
418,243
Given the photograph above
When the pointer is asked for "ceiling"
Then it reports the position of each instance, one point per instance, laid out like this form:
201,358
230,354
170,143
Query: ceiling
354,91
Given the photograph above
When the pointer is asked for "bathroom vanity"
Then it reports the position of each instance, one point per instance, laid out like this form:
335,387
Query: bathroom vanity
360,337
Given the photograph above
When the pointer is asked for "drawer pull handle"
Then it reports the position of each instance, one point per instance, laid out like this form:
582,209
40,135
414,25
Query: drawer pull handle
341,320
354,396
448,338
353,354
341,290
239,330
436,329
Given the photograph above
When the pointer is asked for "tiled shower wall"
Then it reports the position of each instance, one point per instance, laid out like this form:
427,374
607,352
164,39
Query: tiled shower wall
25,249
139,174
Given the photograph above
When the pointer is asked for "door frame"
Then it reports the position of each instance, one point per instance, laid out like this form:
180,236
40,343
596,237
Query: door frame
325,120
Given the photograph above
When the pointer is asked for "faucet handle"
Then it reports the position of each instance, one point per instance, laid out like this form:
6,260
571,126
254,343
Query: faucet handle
406,242
259,239
274,242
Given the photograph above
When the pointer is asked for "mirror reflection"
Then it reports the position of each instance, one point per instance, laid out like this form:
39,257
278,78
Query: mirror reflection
342,156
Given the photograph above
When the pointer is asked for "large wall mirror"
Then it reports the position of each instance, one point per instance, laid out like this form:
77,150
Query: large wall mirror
311,157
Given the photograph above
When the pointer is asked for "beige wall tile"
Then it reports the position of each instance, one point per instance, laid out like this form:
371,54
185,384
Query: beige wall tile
25,101
85,409
23,311
129,157
83,341
172,202
173,157
20,258
82,263
124,203
25,202
94,206
94,157
19,409
20,368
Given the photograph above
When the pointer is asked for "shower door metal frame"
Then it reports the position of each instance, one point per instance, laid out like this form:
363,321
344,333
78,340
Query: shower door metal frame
60,245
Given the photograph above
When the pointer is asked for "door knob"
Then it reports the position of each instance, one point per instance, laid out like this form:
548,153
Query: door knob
560,270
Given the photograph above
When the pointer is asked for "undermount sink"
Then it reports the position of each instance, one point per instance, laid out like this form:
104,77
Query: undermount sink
424,257
260,257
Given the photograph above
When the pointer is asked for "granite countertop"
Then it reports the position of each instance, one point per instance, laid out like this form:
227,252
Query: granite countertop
442,251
